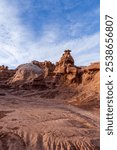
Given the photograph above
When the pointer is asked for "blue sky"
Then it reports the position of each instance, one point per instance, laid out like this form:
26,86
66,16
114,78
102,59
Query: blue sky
43,29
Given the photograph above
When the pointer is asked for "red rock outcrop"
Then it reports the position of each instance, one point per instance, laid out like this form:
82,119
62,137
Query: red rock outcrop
5,75
3,68
47,66
45,75
64,72
65,67
88,96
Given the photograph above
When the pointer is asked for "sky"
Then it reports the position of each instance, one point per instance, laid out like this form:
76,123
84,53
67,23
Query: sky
42,29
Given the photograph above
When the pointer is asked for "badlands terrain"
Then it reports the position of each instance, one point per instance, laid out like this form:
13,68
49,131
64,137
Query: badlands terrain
46,106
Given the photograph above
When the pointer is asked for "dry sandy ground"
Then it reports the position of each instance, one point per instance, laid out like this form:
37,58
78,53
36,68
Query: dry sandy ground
28,122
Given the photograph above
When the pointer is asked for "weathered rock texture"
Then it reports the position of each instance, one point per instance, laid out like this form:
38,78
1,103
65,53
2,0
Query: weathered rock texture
47,66
26,73
65,67
3,68
5,75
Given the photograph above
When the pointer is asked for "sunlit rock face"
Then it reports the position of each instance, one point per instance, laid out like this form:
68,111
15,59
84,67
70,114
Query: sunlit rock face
26,73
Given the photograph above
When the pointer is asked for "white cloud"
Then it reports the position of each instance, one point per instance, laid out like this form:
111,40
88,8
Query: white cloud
17,46
84,50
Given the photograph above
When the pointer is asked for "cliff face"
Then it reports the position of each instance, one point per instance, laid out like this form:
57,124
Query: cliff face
46,106
88,95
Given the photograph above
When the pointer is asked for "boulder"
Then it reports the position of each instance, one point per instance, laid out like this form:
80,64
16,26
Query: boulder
26,73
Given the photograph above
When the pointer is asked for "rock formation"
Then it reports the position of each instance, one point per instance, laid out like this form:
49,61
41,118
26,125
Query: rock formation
47,66
66,67
89,87
5,75
47,74
3,68
64,62
26,73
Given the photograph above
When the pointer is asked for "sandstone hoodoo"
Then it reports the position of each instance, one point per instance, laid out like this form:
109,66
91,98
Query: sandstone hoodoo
46,106
64,62
3,68
66,67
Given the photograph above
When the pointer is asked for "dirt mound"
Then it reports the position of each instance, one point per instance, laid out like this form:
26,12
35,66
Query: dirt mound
26,73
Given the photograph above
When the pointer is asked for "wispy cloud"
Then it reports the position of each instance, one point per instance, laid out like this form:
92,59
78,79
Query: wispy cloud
13,35
18,45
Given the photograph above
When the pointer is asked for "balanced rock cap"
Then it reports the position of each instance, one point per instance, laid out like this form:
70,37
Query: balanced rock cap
67,51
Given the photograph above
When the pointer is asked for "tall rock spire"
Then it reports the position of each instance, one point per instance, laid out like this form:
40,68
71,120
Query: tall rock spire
67,58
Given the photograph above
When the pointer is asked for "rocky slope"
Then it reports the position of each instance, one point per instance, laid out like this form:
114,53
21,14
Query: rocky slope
45,106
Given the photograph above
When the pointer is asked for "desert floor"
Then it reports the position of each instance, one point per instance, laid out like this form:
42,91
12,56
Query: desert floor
29,121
